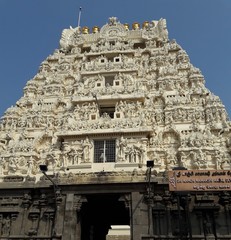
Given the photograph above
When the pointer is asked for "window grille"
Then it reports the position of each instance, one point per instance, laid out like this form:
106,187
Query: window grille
104,150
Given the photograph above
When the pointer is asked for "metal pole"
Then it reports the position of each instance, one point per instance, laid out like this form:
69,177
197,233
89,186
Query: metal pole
80,10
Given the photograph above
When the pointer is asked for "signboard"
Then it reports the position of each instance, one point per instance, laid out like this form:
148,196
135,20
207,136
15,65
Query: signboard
199,180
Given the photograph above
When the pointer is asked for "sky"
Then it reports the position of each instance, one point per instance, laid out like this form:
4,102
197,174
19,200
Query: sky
30,30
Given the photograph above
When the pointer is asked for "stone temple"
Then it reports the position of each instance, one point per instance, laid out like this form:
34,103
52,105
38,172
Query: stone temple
85,152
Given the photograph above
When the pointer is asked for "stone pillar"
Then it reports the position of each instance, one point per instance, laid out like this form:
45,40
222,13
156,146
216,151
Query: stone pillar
59,217
78,200
1,218
35,224
22,221
139,219
70,219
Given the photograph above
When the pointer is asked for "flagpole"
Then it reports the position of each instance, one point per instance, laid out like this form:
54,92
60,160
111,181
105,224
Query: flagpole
80,9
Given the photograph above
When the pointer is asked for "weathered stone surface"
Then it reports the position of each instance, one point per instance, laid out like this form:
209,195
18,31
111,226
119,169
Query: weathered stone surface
99,107
136,86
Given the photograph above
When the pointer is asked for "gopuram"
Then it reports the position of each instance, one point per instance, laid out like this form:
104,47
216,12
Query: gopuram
86,151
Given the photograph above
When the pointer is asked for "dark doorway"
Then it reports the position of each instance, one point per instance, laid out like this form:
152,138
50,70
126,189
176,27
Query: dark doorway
99,213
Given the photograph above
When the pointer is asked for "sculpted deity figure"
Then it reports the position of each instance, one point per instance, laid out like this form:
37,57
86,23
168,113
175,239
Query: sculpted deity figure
30,165
63,161
87,145
222,160
1,165
142,151
199,160
94,47
113,21
171,159
12,165
132,154
6,226
207,225
184,159
122,144
78,156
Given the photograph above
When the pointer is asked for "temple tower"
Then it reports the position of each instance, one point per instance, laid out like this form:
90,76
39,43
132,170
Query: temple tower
88,146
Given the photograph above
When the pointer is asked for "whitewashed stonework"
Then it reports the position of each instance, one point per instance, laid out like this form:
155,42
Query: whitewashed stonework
136,87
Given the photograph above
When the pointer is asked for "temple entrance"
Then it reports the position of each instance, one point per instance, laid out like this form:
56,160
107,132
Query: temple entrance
99,213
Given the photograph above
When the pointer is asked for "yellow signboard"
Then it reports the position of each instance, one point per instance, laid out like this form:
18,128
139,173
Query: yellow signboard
199,180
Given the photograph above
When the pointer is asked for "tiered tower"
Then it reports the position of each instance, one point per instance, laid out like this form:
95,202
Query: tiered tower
99,109
109,101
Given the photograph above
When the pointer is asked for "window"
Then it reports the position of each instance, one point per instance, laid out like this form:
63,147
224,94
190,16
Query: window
109,80
104,150
139,45
86,49
117,83
117,59
93,117
107,111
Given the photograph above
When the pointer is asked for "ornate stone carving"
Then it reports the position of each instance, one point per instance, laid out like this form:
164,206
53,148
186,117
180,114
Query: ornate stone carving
135,84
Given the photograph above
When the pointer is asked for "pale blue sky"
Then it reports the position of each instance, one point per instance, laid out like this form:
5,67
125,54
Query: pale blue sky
30,30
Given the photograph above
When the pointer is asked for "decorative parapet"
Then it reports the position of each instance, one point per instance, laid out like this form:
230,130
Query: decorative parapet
115,31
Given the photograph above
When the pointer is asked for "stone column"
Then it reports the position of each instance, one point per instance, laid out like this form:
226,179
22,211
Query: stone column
70,219
1,218
59,217
22,220
139,219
